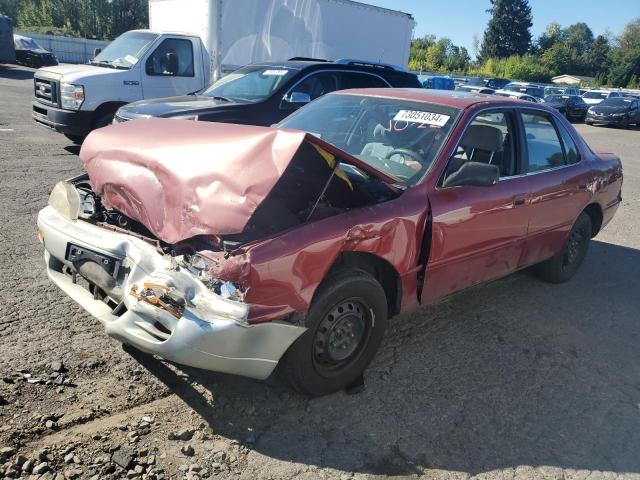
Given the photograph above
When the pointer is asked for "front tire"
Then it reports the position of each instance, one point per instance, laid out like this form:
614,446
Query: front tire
345,326
76,139
564,264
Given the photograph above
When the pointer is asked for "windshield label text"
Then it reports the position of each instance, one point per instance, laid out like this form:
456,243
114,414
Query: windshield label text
427,118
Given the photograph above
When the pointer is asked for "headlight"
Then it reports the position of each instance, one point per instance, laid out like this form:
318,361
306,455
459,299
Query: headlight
71,96
185,117
66,200
590,110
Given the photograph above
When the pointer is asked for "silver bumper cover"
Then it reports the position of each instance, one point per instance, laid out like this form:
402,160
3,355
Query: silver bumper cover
212,332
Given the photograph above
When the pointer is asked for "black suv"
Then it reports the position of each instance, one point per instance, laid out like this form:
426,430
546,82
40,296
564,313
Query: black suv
265,93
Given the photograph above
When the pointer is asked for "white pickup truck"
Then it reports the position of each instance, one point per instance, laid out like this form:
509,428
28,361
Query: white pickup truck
218,37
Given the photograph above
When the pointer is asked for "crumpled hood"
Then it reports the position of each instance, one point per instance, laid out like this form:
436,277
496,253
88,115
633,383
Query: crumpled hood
181,178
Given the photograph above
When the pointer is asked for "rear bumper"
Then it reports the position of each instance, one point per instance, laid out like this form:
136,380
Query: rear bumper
63,121
211,333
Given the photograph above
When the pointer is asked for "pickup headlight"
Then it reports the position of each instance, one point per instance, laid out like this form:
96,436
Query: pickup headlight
71,96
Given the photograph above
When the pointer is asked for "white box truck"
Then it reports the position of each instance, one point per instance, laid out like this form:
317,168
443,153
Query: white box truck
191,42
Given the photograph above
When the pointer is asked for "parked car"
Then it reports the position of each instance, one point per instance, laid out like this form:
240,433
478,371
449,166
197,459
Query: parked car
561,91
265,93
474,89
234,248
571,106
630,95
30,54
497,83
618,111
438,82
532,89
594,97
517,95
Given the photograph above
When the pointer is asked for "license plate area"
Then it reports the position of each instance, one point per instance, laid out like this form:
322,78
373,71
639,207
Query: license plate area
77,254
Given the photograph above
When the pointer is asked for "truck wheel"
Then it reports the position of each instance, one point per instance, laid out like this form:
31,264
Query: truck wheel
345,325
104,120
564,264
77,139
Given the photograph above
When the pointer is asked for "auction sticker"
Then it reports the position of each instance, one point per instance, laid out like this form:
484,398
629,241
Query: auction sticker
426,118
278,73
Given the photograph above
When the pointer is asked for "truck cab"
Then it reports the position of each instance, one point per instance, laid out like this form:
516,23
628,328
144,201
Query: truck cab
140,64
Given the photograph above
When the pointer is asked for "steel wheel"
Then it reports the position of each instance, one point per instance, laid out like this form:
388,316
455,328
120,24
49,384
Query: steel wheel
341,336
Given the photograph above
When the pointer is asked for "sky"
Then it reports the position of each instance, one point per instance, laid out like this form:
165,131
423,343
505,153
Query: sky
461,19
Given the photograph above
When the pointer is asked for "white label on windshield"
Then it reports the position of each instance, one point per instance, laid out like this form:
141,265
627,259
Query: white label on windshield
131,59
427,118
279,73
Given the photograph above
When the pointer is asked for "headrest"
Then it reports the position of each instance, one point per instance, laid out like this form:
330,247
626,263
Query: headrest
483,137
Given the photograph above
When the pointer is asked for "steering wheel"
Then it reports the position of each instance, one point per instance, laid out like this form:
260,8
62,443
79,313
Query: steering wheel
405,152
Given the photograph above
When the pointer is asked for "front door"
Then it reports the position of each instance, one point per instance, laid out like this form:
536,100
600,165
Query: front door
171,69
479,232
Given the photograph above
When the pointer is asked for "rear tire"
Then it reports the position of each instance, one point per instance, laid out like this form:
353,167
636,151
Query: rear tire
564,264
345,326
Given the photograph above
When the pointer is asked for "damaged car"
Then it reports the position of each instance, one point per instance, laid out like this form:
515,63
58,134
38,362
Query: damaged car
238,248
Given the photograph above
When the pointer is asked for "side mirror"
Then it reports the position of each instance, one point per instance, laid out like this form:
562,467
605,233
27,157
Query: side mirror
295,100
474,174
96,52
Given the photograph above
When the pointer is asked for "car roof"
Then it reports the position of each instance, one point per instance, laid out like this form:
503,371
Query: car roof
320,64
451,98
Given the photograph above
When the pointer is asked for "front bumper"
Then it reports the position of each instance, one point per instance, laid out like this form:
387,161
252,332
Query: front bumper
211,333
606,120
63,121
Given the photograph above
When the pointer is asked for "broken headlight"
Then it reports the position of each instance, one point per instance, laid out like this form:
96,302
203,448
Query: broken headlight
201,268
65,199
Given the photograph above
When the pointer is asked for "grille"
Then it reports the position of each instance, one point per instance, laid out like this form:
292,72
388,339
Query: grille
46,91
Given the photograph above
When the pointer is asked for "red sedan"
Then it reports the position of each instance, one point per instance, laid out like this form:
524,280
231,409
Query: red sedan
237,248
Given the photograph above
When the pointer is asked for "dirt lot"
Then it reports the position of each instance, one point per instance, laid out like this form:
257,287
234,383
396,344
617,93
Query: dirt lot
517,379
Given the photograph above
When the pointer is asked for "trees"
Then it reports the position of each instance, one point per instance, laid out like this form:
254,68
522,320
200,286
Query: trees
103,19
430,54
508,32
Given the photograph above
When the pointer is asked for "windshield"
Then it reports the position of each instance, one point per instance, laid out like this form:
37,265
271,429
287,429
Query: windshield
554,91
398,137
617,102
597,95
126,50
28,44
250,84
556,99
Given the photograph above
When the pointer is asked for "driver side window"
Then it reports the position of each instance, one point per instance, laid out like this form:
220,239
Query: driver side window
173,57
489,139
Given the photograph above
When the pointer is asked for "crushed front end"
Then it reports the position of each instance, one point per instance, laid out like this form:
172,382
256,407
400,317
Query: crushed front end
160,300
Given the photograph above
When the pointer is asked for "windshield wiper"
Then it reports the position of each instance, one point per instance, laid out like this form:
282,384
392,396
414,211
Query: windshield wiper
109,64
224,99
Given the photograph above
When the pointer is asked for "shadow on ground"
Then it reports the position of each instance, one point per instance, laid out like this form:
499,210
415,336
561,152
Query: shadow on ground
517,372
15,72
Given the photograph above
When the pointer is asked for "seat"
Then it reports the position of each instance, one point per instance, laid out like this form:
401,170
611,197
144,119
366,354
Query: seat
481,143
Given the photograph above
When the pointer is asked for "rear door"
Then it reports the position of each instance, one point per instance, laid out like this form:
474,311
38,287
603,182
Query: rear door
172,68
478,233
559,182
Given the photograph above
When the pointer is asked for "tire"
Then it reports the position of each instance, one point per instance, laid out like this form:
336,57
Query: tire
77,139
564,264
345,326
104,120
588,122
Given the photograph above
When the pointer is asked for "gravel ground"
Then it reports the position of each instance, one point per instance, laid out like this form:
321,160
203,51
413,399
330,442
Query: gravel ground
516,379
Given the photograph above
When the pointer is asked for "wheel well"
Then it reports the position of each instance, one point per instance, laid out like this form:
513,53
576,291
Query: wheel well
595,214
379,269
105,108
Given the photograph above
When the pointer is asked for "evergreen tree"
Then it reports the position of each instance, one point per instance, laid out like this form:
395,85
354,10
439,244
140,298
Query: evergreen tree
508,30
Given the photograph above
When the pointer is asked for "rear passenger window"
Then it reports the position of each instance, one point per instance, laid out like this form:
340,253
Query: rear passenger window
543,145
361,80
570,148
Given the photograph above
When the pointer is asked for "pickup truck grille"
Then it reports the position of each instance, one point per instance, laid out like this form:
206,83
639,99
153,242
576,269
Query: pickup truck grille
46,91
